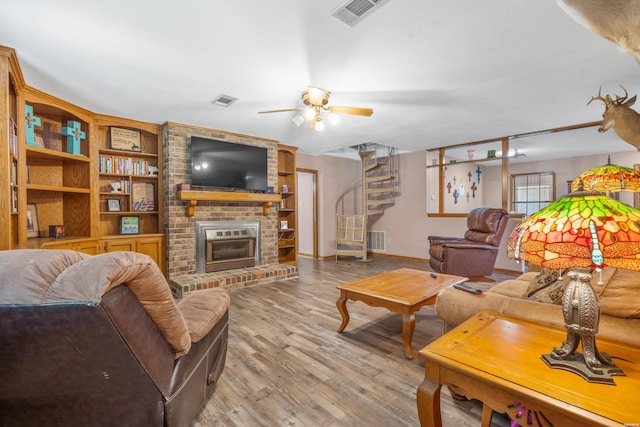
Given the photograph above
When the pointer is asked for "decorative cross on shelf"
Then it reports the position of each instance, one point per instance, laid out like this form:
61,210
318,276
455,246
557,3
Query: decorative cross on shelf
74,136
30,121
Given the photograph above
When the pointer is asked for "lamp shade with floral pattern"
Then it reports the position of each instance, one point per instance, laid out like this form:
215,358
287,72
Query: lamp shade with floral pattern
581,229
608,178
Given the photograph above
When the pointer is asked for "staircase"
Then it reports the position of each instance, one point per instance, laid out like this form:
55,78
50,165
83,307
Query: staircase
378,189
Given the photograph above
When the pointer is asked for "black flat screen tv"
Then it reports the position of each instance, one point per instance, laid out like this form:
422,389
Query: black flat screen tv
228,166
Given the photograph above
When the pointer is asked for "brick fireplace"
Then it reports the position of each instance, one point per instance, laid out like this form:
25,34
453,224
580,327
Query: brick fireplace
180,228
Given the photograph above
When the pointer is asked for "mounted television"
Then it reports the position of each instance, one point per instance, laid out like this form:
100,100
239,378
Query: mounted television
228,166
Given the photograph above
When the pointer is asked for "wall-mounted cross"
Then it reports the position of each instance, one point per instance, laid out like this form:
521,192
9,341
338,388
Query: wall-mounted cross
449,187
478,171
30,121
467,195
455,196
469,175
74,136
474,187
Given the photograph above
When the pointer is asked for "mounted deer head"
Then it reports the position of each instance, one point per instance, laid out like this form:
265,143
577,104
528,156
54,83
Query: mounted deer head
615,20
619,115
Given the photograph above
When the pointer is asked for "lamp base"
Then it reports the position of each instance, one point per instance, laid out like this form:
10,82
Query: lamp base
576,364
581,311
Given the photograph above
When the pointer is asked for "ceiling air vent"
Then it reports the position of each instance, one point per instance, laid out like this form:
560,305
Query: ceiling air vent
224,100
354,11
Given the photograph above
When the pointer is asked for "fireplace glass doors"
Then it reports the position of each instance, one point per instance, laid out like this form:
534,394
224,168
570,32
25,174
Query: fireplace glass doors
226,245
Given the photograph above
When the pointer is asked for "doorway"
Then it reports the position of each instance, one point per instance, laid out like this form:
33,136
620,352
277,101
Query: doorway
307,192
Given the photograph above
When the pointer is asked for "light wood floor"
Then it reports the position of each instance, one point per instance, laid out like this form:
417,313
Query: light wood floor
288,366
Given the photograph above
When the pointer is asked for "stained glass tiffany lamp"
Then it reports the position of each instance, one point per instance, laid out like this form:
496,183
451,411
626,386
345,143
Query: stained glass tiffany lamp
608,178
581,229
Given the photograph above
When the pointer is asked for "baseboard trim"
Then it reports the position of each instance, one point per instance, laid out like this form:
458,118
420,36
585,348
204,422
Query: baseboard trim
375,254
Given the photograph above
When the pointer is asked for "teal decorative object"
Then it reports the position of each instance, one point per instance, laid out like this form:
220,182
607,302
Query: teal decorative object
74,136
30,121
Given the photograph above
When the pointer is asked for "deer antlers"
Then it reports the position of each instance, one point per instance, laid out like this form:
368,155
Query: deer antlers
607,100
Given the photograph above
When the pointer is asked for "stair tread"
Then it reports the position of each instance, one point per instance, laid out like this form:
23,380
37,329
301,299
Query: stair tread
381,190
378,178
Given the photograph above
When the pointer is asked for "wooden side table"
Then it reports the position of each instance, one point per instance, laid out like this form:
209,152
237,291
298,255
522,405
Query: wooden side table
497,359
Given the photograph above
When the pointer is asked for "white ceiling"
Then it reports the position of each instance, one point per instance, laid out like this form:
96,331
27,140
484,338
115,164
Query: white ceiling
436,72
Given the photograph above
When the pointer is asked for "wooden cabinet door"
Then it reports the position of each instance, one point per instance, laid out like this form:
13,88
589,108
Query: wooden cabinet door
154,247
91,247
88,246
120,245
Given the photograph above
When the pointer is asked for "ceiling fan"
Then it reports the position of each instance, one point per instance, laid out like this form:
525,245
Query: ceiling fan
316,100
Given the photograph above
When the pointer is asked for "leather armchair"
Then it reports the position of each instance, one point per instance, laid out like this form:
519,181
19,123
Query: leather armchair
99,340
473,255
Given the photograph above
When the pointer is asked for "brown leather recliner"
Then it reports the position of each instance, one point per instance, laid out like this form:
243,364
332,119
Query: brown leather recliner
473,255
99,340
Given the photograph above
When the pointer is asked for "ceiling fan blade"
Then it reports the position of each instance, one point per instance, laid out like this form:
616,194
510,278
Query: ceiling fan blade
351,110
282,111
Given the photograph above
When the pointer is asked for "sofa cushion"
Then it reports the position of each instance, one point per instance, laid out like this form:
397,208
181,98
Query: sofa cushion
202,310
27,274
514,288
548,286
619,295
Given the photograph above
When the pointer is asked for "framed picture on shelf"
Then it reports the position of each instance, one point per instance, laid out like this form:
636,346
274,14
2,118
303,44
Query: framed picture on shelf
113,205
130,225
33,227
143,196
125,139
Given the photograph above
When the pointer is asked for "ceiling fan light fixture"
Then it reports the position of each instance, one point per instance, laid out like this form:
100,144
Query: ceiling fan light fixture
316,110
298,120
310,113
317,96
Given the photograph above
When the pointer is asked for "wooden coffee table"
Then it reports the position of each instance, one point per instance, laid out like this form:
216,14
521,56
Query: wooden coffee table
400,291
496,359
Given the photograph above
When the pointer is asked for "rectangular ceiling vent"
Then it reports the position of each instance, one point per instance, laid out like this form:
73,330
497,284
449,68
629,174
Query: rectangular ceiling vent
353,11
224,100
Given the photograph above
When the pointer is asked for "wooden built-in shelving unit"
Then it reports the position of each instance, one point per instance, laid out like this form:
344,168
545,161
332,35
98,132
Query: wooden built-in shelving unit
45,182
288,236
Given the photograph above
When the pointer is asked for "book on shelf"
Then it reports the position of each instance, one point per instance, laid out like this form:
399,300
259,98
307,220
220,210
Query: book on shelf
124,166
13,138
14,198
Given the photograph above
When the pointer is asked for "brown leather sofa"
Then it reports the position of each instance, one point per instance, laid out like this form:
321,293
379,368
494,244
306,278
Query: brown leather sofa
473,255
99,340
